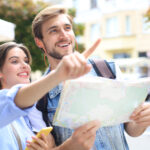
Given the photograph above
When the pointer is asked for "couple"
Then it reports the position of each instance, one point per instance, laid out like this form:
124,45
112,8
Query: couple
53,33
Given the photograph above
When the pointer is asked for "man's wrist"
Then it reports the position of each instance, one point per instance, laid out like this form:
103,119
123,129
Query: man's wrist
64,146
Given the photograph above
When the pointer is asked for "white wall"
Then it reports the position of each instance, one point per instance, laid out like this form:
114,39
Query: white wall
139,143
117,5
7,31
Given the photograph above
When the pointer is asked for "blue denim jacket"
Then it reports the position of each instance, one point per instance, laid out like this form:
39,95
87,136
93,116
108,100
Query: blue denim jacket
107,138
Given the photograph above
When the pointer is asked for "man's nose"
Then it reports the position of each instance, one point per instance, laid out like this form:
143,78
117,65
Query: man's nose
63,33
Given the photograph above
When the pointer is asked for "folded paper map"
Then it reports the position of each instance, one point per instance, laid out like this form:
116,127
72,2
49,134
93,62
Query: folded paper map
95,98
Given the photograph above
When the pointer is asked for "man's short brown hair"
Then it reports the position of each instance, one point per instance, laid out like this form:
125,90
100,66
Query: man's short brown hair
44,15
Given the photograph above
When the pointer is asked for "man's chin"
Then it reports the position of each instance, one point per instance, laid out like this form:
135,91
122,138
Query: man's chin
59,56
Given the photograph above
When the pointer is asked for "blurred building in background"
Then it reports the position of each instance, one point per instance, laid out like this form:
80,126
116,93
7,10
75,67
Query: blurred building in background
67,3
124,31
7,31
123,28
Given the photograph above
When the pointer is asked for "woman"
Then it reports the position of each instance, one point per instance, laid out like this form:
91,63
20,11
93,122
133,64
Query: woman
15,61
15,69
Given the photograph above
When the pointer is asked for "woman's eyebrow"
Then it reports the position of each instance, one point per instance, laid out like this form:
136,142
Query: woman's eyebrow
13,57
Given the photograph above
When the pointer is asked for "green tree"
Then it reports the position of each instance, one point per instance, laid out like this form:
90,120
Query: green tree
21,13
79,30
148,14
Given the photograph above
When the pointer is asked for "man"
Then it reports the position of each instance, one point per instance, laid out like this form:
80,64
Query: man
53,33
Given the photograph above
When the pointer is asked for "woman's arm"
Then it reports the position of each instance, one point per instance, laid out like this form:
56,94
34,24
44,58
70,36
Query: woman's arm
8,109
70,67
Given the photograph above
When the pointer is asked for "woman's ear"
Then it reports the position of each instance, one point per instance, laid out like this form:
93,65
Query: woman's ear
0,80
0,75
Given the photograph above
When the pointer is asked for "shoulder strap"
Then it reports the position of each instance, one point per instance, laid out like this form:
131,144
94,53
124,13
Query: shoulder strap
17,136
42,106
102,68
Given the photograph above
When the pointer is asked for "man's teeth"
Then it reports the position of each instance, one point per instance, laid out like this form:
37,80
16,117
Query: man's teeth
63,45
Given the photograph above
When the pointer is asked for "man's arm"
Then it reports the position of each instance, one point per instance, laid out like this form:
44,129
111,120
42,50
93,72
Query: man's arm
134,129
140,120
82,139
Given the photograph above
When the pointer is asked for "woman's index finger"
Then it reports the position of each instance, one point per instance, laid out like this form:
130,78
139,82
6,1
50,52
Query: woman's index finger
88,52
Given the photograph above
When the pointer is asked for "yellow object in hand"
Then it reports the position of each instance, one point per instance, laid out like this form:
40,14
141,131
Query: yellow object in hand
45,131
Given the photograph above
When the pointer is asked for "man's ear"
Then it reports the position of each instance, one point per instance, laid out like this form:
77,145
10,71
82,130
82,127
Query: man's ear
38,42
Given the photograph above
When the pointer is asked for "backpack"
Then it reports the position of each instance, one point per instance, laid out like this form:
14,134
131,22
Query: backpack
101,67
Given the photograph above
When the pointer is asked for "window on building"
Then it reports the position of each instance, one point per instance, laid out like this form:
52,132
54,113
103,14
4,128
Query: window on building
142,71
95,32
146,25
142,54
128,25
75,3
112,27
121,55
93,3
111,1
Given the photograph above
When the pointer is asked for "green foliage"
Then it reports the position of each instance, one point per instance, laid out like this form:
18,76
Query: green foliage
148,14
22,13
72,12
80,47
78,28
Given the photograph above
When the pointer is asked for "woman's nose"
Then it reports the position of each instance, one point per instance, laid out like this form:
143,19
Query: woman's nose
24,64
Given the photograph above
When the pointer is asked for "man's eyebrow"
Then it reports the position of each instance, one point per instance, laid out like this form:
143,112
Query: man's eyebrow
52,27
68,24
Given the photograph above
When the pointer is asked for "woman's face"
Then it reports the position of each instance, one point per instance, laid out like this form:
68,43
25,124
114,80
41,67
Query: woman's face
16,69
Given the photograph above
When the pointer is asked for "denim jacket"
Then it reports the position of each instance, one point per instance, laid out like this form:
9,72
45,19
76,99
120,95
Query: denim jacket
107,138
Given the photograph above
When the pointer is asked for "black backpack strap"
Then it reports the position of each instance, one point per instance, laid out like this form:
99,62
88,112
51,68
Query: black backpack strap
42,106
102,68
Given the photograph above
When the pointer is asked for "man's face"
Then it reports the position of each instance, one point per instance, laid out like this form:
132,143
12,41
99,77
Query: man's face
58,37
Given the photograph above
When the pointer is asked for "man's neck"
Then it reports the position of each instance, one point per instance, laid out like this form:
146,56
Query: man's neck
53,62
